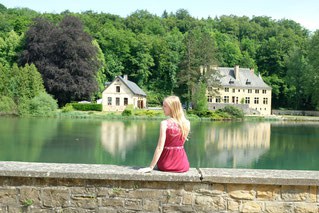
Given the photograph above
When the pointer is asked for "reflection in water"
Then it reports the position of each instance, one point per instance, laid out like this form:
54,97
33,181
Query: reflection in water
238,146
260,145
117,137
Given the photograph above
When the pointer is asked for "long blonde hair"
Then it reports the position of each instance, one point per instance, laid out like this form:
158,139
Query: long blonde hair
177,114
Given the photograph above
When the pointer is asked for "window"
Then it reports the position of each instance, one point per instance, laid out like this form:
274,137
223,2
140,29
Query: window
233,99
117,101
256,91
250,91
226,99
125,101
238,90
265,100
218,99
264,91
109,100
118,89
247,100
226,89
233,90
210,99
256,100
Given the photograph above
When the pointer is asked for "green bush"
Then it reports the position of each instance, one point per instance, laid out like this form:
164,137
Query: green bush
68,108
232,111
127,112
201,113
43,105
24,106
87,107
148,113
7,105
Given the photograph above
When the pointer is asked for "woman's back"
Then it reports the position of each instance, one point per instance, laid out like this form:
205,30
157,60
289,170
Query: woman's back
173,157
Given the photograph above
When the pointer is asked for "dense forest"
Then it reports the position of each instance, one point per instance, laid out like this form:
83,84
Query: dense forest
69,56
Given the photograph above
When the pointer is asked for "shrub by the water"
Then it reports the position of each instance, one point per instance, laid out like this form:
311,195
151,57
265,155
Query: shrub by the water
127,112
87,107
7,105
234,112
43,105
68,108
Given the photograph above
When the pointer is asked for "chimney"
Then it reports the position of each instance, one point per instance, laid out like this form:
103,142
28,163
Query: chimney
213,67
125,77
201,70
236,71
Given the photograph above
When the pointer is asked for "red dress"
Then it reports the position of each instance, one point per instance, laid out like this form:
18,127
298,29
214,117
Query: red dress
173,157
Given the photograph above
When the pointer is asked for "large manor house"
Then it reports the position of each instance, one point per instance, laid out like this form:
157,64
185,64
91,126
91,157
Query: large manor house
242,88
239,87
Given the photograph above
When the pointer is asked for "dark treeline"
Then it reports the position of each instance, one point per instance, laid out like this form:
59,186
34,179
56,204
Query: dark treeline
76,53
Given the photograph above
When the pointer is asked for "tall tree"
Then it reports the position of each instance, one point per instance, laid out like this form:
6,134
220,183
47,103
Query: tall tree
312,75
199,51
65,56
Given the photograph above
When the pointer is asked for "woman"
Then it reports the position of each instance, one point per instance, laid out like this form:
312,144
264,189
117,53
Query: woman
169,154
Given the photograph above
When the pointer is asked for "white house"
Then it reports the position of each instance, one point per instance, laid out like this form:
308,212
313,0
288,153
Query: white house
122,92
241,87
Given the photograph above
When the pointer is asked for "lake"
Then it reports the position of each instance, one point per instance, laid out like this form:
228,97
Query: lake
257,145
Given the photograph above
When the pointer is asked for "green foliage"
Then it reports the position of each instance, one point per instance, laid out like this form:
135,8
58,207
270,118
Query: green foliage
67,108
87,107
161,54
312,74
201,113
27,202
9,45
65,56
43,105
199,97
127,112
148,113
232,111
7,105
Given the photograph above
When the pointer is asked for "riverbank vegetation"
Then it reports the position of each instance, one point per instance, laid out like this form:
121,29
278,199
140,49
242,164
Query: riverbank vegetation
49,60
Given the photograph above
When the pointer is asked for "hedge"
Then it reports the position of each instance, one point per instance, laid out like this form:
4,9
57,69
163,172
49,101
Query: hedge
87,107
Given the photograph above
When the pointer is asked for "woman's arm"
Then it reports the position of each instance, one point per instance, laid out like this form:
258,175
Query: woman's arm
159,147
160,144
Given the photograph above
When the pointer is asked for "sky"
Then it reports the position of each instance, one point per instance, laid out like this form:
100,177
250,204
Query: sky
304,12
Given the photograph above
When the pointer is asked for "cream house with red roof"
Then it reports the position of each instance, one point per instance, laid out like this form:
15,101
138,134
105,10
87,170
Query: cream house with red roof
122,92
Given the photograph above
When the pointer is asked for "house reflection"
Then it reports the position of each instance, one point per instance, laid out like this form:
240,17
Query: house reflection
118,137
238,146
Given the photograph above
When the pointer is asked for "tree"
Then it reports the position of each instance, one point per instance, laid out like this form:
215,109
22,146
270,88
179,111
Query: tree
199,98
8,48
199,51
312,74
297,67
65,57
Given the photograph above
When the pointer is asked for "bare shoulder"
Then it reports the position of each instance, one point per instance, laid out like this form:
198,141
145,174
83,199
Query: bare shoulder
187,122
163,123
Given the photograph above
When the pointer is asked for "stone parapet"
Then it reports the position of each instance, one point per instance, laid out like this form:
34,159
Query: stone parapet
50,187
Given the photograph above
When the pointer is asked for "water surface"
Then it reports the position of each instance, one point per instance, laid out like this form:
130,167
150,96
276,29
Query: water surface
257,145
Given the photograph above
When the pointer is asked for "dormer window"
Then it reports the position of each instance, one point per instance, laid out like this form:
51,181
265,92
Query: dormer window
248,82
231,81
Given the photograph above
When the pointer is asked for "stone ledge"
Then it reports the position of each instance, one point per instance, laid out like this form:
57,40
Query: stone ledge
260,176
91,171
113,172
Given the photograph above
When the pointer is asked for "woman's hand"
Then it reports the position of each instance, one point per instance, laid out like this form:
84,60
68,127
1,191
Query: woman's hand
145,170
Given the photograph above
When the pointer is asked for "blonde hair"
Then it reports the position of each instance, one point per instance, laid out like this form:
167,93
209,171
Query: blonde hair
177,114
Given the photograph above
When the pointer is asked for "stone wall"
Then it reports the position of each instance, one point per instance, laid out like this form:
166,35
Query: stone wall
41,187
